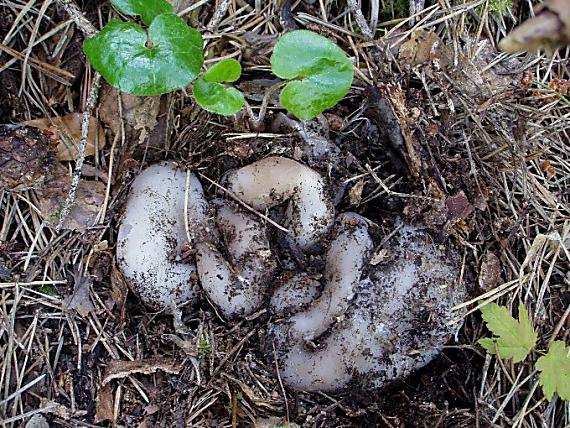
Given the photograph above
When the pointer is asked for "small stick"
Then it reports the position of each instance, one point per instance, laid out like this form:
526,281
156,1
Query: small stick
39,19
89,30
75,13
280,381
81,151
360,20
237,199
559,325
218,15
265,102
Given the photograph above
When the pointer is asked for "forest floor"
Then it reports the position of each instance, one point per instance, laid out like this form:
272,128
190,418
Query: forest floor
485,165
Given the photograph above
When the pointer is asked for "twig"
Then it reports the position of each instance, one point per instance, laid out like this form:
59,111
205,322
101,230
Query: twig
81,151
246,206
559,325
264,103
75,13
280,381
360,20
416,6
191,8
89,30
218,15
39,19
56,73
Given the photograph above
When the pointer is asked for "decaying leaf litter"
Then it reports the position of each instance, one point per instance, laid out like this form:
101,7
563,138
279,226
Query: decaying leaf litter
480,154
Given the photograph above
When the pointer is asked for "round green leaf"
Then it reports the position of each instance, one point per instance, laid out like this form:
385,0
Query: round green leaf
146,9
170,57
227,70
216,98
323,73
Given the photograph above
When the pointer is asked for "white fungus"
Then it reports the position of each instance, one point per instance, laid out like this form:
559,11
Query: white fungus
354,324
344,263
236,285
397,322
269,182
151,238
294,293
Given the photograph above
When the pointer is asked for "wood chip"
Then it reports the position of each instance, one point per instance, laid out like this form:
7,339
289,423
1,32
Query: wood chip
119,369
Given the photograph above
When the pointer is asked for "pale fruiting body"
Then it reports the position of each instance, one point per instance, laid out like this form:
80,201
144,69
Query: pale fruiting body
354,323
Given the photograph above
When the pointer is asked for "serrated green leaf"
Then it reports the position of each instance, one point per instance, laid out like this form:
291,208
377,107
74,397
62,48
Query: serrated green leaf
322,71
514,339
120,53
489,345
554,368
146,9
216,98
227,70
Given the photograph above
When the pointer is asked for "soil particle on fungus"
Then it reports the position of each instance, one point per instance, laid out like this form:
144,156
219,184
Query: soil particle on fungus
25,157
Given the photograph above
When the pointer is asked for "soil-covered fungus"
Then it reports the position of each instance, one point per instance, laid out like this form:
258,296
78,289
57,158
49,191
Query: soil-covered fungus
273,180
354,322
236,285
152,235
395,322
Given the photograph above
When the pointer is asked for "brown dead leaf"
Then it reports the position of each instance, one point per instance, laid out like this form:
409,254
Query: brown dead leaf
119,369
104,404
65,134
549,29
397,98
88,200
422,47
139,114
471,74
490,273
458,207
458,210
119,290
80,300
355,193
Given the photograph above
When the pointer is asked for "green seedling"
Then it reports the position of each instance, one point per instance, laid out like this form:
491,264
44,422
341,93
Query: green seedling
169,55
516,339
319,71
213,96
48,289
204,350
554,368
500,8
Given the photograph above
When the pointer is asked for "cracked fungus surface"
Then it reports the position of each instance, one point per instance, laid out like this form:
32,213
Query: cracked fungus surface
340,321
